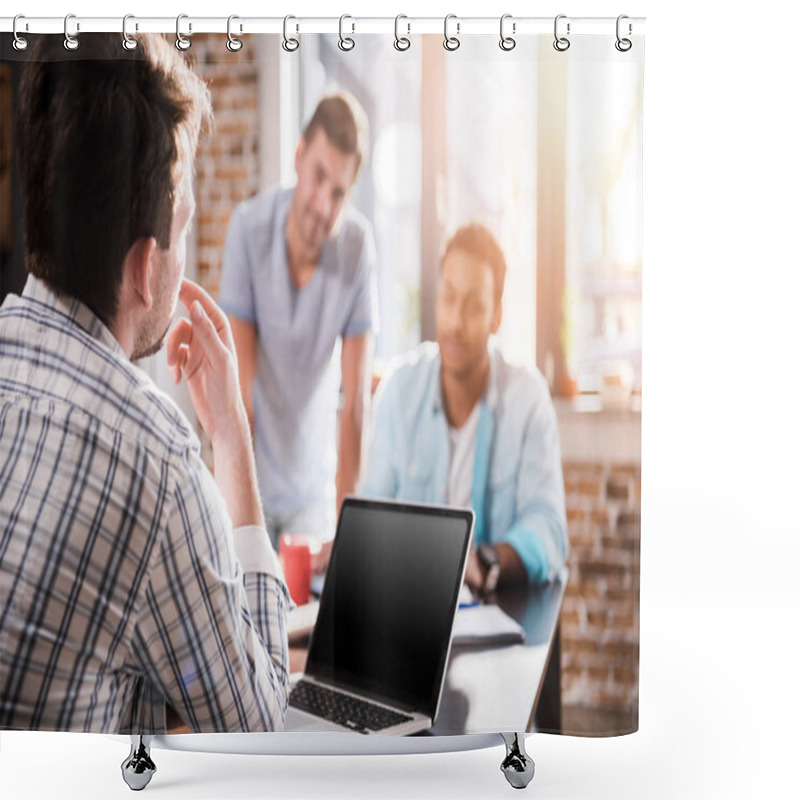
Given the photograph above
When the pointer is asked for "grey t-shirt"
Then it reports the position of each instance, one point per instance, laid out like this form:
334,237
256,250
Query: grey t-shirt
298,373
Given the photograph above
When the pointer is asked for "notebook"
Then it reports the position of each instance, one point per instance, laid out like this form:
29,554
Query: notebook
382,638
486,625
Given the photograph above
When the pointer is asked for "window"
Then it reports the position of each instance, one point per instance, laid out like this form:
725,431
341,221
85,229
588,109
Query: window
603,296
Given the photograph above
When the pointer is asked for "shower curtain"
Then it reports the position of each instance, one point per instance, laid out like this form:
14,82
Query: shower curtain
524,145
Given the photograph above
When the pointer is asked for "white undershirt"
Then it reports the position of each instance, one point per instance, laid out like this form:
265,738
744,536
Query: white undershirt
462,460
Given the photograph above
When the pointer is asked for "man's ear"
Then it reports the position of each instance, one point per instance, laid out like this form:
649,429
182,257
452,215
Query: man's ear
139,270
498,317
299,153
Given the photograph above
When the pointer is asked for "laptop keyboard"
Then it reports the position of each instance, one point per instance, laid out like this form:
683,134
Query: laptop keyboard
342,709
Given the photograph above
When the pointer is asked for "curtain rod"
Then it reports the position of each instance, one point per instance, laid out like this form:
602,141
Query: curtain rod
461,26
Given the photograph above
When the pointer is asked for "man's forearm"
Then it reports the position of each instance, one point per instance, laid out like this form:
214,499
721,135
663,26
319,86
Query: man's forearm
356,360
512,570
349,454
235,473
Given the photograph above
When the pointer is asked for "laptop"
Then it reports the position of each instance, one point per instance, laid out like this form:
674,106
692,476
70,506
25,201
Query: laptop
381,642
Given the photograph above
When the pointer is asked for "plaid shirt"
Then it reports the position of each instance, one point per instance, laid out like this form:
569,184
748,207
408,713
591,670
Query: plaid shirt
123,586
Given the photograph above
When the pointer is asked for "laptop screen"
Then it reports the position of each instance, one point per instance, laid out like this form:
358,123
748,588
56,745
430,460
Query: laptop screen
387,608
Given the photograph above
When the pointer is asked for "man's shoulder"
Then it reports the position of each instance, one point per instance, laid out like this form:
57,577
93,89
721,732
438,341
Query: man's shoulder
176,432
356,223
355,234
143,413
118,395
150,422
56,367
257,210
258,228
520,385
411,373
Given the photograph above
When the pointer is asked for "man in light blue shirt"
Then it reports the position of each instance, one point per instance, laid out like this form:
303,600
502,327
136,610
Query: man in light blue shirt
456,423
298,284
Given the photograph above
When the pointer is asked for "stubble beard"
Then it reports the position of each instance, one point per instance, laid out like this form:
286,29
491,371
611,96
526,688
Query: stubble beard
148,344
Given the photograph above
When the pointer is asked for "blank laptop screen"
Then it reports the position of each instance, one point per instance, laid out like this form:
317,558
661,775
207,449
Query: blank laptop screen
387,608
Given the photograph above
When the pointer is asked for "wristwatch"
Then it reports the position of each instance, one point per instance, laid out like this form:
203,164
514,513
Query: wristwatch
487,555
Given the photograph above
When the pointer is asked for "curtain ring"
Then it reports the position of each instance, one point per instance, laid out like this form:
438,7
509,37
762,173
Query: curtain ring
561,43
128,42
290,43
20,43
451,42
233,44
346,43
401,43
623,45
70,42
181,42
507,42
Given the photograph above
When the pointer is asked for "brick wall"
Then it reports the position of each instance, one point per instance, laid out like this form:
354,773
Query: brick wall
228,159
600,615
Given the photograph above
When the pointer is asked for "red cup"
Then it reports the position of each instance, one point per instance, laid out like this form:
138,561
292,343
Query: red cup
295,553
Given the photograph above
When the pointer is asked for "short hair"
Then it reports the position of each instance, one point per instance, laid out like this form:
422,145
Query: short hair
478,241
105,136
345,124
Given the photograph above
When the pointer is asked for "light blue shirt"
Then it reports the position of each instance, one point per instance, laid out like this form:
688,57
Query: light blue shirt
517,486
298,370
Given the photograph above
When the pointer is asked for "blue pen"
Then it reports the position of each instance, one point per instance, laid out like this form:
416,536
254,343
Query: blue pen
471,604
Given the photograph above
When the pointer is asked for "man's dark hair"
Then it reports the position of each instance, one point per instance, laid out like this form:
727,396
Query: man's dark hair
105,136
345,124
478,241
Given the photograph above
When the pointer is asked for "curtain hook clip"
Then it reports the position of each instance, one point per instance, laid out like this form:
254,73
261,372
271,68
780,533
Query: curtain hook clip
346,43
181,42
233,44
128,42
507,43
451,42
71,42
290,43
561,43
20,43
401,43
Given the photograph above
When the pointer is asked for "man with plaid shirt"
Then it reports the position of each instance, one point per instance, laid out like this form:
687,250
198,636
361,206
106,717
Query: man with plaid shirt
131,579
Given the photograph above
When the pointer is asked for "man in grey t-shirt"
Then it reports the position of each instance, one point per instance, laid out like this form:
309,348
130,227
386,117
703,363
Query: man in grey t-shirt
298,283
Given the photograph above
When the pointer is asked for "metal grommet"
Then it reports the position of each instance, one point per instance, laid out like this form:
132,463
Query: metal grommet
451,42
19,42
181,42
401,43
233,44
70,42
346,43
623,45
290,43
561,43
506,42
128,42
